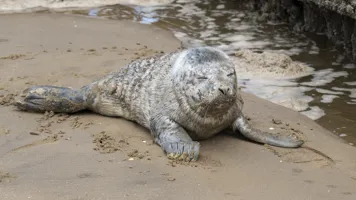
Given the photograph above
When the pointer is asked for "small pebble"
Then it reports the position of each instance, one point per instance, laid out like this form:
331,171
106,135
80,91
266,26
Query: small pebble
144,141
276,121
34,133
342,135
131,159
271,128
61,132
171,179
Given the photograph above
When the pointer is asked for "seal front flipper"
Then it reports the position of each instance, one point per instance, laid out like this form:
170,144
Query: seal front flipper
52,98
242,125
174,140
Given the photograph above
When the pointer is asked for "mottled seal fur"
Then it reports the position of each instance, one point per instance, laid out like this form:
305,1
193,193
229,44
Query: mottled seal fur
181,97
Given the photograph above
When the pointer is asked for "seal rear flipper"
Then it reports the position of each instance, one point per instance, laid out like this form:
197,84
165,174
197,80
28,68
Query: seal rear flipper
51,98
242,125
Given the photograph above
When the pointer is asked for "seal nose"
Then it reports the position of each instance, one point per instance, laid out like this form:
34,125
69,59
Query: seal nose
224,91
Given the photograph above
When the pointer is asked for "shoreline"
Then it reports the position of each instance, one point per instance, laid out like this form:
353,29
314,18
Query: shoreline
322,111
66,159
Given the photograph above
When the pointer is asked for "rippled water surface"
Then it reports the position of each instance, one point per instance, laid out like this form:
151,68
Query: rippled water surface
327,96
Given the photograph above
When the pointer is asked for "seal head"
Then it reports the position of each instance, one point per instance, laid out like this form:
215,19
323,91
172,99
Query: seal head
204,81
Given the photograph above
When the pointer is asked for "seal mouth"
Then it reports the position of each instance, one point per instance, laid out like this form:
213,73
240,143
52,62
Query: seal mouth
217,107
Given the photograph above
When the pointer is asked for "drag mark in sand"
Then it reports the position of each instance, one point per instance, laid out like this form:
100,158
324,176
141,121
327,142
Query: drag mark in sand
48,139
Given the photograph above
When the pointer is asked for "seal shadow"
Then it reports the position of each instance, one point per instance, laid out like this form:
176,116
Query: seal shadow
303,154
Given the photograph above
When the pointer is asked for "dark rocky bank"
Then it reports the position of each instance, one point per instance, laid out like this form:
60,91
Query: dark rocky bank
334,18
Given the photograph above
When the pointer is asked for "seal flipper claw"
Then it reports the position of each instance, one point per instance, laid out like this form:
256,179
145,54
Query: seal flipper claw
52,98
174,140
242,125
186,151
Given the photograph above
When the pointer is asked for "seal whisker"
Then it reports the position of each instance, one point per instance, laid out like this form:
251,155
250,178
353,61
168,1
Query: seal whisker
206,111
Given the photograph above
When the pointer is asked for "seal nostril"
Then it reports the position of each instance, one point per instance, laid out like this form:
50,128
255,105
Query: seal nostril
222,91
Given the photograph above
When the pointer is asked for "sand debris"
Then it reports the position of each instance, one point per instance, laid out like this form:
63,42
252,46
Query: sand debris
276,121
4,131
48,114
268,64
76,123
13,57
136,154
62,117
87,125
105,143
7,100
169,177
5,176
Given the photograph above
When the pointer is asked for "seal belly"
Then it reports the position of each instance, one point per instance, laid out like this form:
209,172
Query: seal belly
105,97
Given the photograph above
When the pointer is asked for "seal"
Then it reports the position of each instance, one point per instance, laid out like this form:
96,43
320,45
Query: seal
181,97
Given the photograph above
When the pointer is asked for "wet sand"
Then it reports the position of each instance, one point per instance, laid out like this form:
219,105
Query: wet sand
88,156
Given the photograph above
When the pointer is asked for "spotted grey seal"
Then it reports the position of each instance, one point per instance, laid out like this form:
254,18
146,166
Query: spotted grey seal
181,97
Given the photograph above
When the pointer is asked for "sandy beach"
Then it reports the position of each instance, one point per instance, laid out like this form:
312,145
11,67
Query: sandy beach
87,156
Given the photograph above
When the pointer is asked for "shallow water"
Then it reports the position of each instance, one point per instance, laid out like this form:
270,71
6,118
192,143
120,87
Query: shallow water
327,96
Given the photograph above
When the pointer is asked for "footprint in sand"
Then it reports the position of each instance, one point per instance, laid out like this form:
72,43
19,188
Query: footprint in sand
303,154
6,177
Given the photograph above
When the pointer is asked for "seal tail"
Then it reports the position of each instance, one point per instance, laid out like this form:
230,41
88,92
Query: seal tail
259,136
52,98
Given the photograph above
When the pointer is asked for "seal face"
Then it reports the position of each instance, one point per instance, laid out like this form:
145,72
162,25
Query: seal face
206,82
205,86
181,97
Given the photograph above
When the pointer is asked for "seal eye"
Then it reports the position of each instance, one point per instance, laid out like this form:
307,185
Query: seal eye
231,74
202,77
